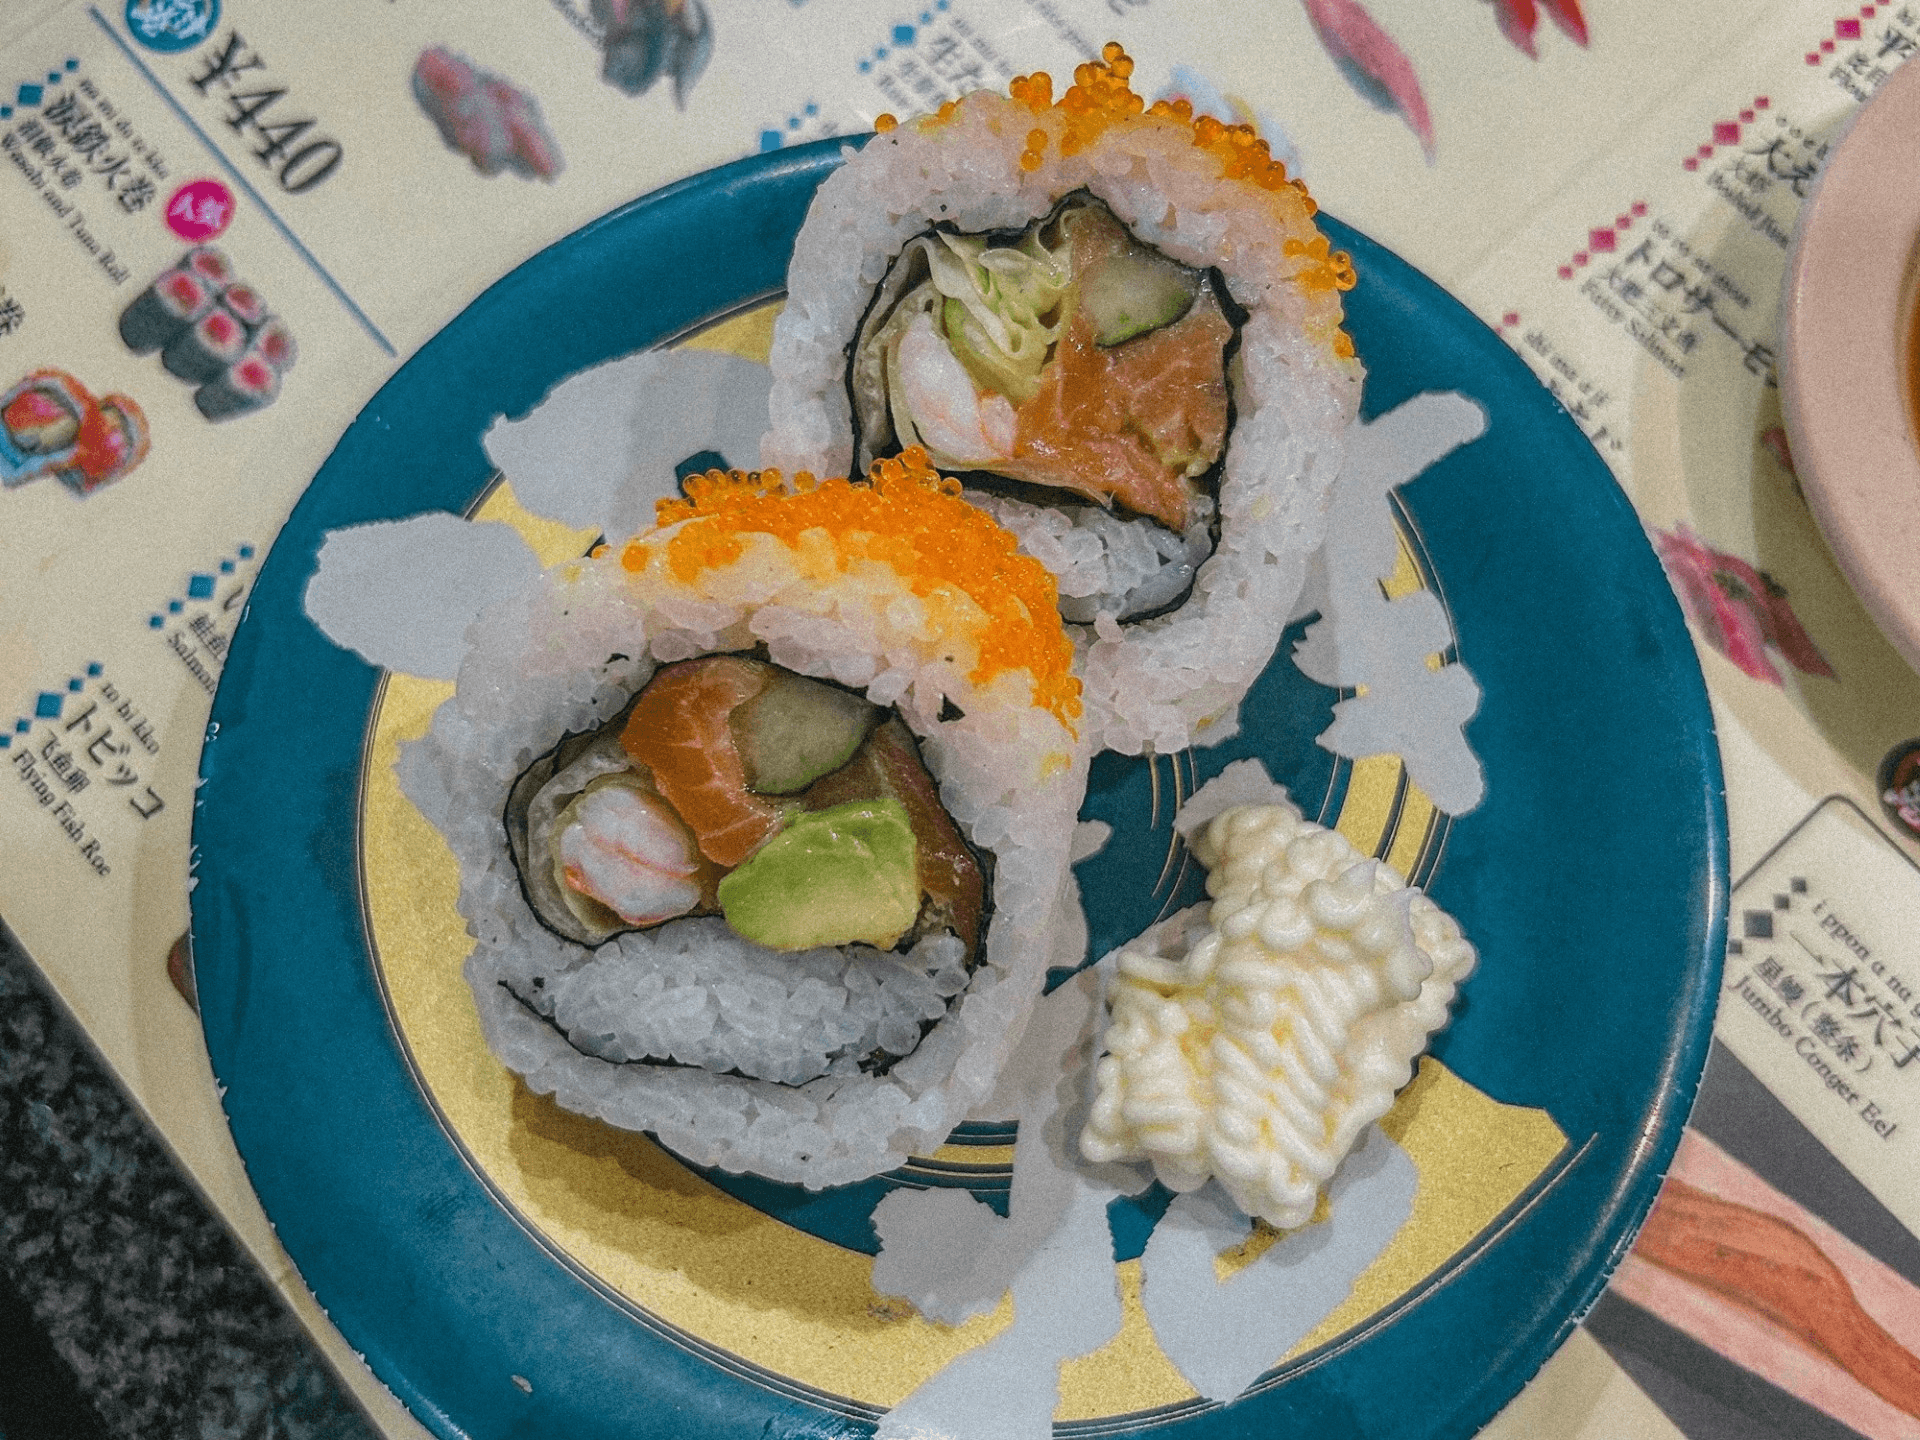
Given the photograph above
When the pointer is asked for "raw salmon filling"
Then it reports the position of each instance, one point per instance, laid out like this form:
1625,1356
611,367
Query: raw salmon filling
1068,356
1038,287
792,808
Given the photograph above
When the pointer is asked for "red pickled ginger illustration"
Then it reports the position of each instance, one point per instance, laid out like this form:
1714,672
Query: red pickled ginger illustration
1518,18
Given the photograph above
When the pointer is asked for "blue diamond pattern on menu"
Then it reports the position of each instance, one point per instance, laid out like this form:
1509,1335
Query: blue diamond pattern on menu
29,95
200,587
47,707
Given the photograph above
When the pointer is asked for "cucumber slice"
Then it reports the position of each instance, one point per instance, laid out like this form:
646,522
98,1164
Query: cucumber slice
1134,291
797,730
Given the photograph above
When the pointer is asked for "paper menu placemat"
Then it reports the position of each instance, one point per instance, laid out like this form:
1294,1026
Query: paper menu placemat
298,135
1646,295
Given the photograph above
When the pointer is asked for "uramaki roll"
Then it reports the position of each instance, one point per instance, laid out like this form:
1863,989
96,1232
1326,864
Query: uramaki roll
966,264
818,1063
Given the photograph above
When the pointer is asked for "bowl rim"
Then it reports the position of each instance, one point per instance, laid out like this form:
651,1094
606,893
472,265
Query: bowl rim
1847,371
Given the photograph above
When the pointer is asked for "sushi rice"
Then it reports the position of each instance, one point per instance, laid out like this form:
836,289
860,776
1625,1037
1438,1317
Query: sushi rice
1203,194
732,1054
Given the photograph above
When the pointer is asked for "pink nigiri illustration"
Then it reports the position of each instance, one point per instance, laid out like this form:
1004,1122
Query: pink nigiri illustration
1740,609
1768,599
1372,63
484,117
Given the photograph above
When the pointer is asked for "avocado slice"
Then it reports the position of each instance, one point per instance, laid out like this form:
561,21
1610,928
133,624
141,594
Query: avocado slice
797,730
832,877
952,883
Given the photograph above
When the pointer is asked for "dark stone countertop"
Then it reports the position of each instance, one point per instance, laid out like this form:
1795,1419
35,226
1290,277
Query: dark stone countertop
127,1309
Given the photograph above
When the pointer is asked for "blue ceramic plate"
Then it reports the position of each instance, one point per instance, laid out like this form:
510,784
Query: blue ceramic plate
1593,880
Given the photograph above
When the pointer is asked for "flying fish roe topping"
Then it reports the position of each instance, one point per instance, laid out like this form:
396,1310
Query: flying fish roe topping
1102,96
904,516
1321,269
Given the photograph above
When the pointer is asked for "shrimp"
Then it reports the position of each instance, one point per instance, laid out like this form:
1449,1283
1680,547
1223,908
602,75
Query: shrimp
956,422
627,850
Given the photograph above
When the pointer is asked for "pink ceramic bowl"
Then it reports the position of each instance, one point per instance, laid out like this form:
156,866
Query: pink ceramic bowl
1847,356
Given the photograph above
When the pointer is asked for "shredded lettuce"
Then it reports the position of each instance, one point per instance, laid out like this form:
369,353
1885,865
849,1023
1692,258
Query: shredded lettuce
995,306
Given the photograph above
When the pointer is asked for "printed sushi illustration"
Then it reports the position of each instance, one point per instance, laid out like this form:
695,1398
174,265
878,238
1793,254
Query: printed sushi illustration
1376,66
1518,20
1739,609
213,331
643,41
203,349
169,305
1753,1275
807,759
51,425
484,116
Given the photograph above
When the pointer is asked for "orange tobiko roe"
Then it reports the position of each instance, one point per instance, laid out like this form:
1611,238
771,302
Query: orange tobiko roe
905,516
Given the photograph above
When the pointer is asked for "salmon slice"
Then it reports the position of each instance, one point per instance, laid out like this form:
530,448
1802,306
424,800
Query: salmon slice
679,731
889,765
1126,424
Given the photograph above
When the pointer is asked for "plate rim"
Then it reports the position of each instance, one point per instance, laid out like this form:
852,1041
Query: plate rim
1664,1118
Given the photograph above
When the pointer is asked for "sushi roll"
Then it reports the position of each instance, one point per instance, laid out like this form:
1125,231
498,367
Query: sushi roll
202,350
1123,325
763,819
40,422
250,383
246,305
210,264
165,308
113,440
41,414
273,342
